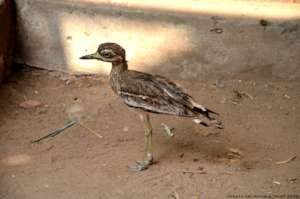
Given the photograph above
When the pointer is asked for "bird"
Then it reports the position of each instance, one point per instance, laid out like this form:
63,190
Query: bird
149,94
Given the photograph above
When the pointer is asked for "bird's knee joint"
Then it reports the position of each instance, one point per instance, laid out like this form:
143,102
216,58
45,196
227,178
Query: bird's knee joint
148,132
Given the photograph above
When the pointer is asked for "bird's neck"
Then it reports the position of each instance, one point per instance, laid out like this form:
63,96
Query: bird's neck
120,66
115,75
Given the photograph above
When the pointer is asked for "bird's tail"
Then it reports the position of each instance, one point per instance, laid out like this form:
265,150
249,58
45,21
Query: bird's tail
209,114
205,116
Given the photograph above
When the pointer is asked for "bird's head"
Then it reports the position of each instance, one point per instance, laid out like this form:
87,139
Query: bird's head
108,52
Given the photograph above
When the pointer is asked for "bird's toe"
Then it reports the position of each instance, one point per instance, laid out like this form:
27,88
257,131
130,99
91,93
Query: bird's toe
141,165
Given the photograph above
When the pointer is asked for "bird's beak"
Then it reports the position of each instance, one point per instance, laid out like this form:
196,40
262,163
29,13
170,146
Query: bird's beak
95,55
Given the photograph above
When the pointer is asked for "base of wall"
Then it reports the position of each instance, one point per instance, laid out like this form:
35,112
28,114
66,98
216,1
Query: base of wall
6,37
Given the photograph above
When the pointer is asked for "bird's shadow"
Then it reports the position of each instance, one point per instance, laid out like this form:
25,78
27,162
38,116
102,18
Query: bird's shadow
193,144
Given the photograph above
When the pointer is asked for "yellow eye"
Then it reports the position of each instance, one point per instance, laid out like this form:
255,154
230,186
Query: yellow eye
106,54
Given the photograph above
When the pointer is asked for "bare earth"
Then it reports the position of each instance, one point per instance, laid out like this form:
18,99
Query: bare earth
261,114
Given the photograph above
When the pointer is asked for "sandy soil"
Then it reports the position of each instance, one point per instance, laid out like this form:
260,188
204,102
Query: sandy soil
262,126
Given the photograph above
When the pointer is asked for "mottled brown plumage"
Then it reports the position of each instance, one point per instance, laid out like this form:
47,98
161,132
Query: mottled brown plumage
151,93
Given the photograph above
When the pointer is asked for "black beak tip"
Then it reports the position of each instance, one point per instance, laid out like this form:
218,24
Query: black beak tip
82,57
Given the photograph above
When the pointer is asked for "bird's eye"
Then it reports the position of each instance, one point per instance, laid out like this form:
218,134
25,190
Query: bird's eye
106,54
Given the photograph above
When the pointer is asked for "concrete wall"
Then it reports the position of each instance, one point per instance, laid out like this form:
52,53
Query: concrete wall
189,38
6,37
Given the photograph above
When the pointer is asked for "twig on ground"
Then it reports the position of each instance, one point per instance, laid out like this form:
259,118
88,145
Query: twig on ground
91,130
227,173
57,131
287,161
241,94
199,172
175,195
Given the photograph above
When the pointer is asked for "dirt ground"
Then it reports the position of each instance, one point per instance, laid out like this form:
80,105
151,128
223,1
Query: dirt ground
261,114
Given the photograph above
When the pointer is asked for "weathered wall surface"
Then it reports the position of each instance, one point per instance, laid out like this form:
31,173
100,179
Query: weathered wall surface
186,39
6,37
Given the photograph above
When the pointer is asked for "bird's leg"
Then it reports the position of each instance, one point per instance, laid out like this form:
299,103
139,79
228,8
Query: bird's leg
148,140
147,159
168,130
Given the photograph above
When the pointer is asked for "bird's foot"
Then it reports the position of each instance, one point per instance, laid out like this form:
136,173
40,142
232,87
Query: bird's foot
168,130
142,165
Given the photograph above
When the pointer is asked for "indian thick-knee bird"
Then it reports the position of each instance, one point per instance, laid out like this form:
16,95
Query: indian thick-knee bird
151,94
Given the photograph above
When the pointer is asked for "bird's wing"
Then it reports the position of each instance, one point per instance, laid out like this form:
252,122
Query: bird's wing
178,94
155,94
172,90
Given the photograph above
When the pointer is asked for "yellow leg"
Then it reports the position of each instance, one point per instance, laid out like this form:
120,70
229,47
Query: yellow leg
148,158
148,139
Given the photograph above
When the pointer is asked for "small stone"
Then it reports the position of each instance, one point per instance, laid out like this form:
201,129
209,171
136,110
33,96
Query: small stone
219,84
276,182
181,155
292,180
125,129
287,113
217,30
287,96
46,185
29,104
